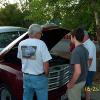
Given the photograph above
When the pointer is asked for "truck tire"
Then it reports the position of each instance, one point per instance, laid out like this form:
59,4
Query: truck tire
5,93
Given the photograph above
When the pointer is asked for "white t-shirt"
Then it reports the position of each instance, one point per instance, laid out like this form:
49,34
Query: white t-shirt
33,52
92,53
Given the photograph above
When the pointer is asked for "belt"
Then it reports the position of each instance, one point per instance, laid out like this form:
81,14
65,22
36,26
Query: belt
35,75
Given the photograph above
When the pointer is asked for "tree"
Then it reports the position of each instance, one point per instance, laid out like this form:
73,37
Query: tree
67,13
43,11
12,15
91,11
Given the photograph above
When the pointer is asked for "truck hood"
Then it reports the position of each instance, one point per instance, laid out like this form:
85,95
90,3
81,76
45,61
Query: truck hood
51,36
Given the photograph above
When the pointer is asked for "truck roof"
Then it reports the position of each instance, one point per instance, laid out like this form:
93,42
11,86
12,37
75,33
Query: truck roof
11,29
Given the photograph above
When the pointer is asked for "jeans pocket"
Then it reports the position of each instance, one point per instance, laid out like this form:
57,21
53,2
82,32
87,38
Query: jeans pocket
42,83
25,80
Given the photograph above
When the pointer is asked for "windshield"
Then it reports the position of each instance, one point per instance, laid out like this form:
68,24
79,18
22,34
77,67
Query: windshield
7,37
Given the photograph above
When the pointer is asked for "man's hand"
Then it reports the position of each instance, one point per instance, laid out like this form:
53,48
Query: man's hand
70,85
46,68
90,62
75,76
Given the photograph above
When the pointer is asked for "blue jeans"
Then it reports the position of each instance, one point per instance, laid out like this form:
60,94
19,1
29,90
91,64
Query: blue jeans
37,84
89,79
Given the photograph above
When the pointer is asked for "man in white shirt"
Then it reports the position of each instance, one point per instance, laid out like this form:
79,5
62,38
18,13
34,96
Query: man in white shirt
34,55
92,63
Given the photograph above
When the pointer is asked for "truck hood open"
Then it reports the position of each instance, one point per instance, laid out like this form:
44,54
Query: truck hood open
51,36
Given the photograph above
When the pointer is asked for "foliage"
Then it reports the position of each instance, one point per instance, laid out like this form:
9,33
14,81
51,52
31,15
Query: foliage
43,11
12,15
67,13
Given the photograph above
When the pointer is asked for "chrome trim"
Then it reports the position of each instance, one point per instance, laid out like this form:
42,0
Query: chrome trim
58,76
8,48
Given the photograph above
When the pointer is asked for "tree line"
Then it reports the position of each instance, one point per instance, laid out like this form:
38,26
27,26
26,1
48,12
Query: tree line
67,13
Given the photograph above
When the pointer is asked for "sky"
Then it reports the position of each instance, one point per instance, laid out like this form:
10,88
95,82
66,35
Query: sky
9,1
13,1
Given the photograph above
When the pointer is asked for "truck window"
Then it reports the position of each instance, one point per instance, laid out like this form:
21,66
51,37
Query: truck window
7,37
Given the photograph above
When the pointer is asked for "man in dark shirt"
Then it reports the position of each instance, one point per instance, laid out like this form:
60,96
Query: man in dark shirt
79,66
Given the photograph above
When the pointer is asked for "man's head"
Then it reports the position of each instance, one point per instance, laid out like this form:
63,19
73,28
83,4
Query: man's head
77,35
86,36
35,31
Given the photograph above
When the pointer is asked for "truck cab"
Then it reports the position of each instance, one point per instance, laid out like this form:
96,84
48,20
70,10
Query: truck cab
11,76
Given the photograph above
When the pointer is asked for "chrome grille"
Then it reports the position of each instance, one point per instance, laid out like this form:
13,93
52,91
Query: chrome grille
58,76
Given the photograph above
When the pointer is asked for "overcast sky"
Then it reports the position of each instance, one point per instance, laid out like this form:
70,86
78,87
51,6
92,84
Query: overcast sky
8,1
12,1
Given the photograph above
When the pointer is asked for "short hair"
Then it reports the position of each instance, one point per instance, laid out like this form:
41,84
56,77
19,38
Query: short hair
78,34
34,28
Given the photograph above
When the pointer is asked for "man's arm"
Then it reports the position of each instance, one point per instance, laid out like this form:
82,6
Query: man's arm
46,67
92,52
90,61
45,57
19,55
76,74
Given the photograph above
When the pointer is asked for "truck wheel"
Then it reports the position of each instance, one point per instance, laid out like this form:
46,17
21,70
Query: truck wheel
5,93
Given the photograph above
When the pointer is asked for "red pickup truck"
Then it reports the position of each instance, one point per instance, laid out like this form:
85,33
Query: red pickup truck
10,66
